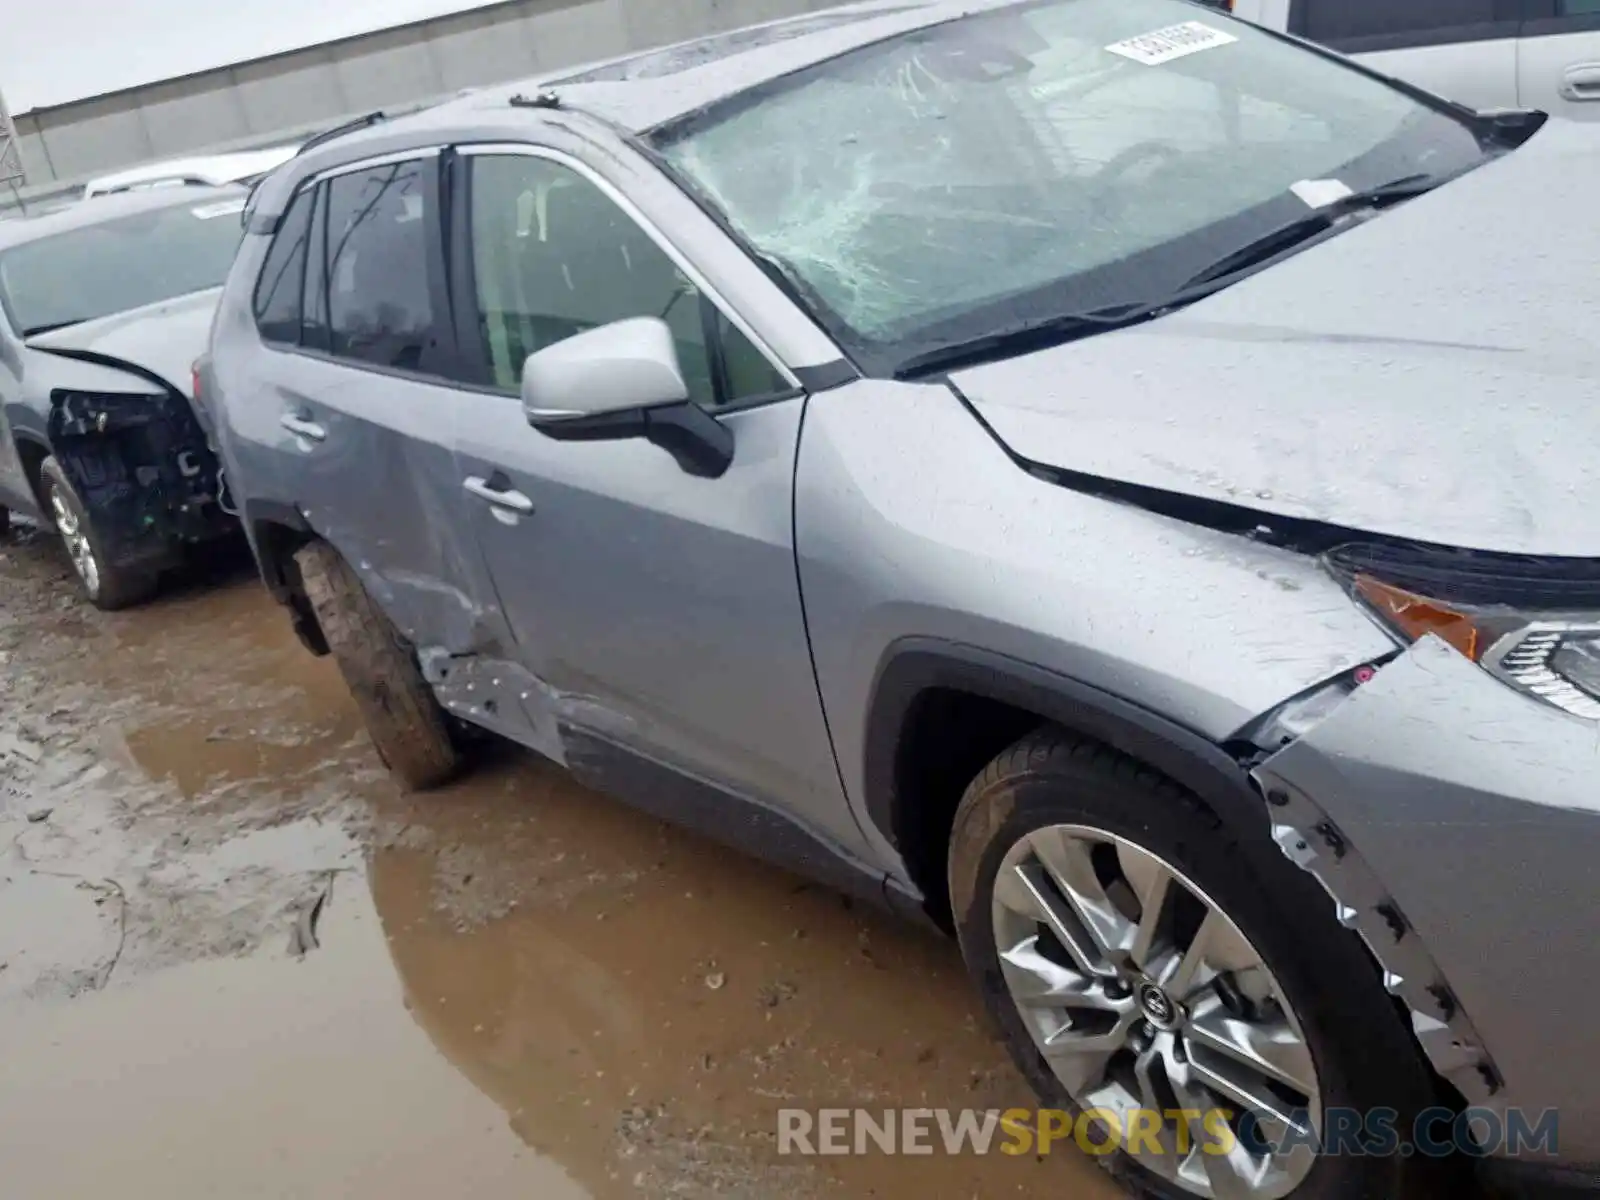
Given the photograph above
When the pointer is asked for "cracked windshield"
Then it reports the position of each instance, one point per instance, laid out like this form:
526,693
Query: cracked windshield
760,600
1034,159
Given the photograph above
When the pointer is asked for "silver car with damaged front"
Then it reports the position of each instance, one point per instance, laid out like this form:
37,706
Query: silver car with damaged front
1093,473
104,308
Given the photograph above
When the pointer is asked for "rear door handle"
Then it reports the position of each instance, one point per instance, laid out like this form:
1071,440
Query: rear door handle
498,492
1581,82
301,427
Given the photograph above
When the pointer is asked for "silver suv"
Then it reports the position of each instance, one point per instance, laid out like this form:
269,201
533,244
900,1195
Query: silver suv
1096,474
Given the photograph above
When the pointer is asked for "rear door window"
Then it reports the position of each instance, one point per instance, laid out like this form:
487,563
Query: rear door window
282,278
380,251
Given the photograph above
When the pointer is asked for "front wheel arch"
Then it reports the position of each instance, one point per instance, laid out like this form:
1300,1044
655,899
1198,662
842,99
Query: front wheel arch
968,704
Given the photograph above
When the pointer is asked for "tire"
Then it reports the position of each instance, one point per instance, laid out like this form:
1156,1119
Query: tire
107,587
5,521
406,724
1361,1050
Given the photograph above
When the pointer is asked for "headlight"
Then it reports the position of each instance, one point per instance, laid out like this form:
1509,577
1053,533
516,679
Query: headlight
1551,654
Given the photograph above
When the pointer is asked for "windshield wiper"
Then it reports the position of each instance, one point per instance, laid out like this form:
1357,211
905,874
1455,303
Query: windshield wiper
36,330
1054,331
1303,229
1033,335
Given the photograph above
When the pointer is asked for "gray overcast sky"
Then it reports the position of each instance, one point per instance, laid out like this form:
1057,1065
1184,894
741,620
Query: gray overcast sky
56,51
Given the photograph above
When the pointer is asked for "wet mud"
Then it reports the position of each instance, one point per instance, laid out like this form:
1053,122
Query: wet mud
234,960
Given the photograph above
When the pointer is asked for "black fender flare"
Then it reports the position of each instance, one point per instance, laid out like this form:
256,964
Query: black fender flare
257,513
916,665
40,441
257,516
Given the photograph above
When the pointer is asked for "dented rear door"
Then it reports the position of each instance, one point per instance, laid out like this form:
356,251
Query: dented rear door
363,406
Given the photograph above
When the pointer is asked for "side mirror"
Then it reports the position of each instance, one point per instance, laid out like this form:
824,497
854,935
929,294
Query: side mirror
619,381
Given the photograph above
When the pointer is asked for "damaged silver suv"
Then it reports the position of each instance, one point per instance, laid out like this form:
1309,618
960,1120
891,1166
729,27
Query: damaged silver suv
1101,476
104,307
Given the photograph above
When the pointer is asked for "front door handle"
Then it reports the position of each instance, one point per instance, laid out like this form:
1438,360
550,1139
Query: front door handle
1581,82
498,492
303,428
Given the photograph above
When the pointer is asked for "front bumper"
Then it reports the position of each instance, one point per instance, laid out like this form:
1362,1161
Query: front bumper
1456,824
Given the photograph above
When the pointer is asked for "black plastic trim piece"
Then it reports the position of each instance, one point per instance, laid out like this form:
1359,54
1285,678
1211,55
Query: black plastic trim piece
1473,577
257,516
338,131
825,377
913,666
684,799
699,443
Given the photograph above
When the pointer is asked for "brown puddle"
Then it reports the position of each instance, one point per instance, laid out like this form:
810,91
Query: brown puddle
252,1077
522,989
675,996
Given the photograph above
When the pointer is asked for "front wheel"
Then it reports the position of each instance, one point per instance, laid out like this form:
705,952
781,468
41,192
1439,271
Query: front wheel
1143,969
107,585
405,722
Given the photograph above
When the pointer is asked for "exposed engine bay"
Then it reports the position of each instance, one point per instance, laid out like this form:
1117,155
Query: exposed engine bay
141,464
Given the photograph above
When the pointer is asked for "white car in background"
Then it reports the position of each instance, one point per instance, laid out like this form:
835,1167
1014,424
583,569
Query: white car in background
1542,54
211,170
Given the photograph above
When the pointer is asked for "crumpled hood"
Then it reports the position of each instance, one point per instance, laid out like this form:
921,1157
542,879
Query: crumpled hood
1432,374
164,338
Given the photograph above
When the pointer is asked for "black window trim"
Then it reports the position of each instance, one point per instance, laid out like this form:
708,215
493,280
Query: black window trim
1543,18
1506,25
448,357
474,353
319,245
308,188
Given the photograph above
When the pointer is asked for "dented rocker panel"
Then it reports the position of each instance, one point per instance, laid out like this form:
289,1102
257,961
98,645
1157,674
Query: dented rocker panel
1457,825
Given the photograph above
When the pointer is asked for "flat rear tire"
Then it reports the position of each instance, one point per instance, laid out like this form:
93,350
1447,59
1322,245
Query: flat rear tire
409,730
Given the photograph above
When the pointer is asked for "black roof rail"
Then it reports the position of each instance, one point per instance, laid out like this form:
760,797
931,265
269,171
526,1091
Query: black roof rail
327,135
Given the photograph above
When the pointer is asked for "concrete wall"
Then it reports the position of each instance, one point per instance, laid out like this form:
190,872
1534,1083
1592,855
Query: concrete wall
253,103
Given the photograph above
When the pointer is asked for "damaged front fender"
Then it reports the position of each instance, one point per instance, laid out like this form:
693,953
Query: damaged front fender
1456,825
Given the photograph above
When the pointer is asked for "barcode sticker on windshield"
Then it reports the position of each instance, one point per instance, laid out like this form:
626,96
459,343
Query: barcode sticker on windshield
1319,193
222,208
1175,41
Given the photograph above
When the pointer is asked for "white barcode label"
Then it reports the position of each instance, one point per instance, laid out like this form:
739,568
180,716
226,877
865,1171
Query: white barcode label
1319,193
1175,41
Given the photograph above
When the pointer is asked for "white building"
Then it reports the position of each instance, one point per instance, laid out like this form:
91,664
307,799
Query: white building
144,90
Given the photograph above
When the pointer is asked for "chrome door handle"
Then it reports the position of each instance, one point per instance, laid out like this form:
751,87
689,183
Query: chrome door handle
301,427
1581,82
507,498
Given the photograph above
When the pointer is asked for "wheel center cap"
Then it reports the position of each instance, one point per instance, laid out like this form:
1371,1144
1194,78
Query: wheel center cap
1158,1006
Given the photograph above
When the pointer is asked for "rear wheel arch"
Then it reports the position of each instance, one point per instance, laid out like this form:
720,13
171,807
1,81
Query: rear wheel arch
941,711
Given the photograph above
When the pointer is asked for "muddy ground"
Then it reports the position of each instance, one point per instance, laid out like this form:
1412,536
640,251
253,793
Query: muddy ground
235,961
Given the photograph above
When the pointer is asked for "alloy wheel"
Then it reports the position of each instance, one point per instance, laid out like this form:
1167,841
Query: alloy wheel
1142,995
77,541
